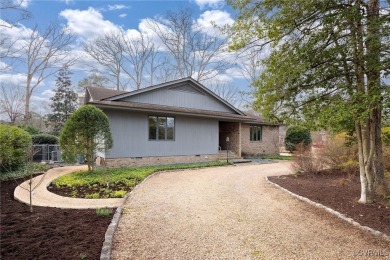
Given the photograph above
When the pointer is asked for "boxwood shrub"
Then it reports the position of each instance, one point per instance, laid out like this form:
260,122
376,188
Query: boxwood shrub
296,135
14,143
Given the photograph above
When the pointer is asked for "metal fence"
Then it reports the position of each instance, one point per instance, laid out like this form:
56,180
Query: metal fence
46,152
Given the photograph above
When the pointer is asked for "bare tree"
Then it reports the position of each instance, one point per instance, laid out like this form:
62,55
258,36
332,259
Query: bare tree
193,53
108,52
13,6
16,10
139,52
226,91
251,68
44,54
12,101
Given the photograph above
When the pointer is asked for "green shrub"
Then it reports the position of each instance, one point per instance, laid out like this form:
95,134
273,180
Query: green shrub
14,145
44,139
296,135
103,212
386,135
29,129
118,194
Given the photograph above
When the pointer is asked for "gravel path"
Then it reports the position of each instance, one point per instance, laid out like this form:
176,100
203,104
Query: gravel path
231,213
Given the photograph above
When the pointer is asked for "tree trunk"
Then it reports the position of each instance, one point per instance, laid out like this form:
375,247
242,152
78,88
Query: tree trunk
27,105
365,192
373,44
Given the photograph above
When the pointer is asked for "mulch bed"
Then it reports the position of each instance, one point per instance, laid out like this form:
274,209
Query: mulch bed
340,192
48,233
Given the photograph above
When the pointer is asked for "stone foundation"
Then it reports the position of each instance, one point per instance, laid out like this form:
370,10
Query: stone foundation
149,161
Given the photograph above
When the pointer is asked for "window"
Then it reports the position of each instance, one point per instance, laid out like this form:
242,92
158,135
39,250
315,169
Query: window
255,133
161,128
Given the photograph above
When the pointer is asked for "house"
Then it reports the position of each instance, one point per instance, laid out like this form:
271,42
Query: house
178,122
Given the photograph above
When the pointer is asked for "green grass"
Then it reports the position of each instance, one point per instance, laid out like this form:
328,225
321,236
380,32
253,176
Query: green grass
20,173
103,212
276,157
116,182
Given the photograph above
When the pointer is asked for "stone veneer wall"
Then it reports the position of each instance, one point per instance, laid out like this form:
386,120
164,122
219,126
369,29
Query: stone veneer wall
149,161
269,145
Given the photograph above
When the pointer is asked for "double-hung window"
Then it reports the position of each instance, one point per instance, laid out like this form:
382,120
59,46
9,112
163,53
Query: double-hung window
255,133
161,128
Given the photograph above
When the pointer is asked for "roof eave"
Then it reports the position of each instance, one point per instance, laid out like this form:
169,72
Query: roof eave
231,119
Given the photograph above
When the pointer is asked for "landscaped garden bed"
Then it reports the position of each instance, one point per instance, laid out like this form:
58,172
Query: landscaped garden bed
340,192
111,183
48,233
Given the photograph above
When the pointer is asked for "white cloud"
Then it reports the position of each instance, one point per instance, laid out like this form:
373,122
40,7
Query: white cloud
208,20
22,3
4,67
122,15
88,24
68,2
117,7
210,3
48,93
18,79
144,28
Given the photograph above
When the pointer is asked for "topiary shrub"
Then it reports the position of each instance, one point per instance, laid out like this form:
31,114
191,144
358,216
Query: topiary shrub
44,139
386,135
296,135
14,143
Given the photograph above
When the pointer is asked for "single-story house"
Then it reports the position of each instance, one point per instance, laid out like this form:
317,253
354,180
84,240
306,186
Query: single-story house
178,122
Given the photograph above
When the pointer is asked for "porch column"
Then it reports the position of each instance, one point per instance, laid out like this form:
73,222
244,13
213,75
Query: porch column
239,139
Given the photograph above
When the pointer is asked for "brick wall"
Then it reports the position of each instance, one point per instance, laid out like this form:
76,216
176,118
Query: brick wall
232,130
161,160
269,145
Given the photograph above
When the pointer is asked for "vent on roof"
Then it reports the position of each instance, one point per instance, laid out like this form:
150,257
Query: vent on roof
187,88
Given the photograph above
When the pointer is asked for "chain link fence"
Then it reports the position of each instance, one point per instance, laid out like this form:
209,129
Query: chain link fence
46,152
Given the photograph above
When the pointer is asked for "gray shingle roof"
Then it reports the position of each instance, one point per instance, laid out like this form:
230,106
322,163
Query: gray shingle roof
98,93
179,110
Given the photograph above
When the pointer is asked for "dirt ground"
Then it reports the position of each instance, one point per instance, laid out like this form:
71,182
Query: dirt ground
340,192
48,233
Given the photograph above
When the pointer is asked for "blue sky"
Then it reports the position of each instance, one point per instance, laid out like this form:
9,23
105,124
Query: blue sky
88,19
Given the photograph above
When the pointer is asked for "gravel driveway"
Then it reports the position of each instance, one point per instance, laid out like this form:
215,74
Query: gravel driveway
231,213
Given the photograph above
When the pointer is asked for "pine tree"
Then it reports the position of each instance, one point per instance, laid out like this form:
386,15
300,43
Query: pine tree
64,102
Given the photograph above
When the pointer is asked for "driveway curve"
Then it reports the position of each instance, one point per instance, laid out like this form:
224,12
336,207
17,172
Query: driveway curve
42,197
231,213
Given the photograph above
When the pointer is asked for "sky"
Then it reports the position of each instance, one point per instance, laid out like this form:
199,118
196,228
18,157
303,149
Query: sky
90,19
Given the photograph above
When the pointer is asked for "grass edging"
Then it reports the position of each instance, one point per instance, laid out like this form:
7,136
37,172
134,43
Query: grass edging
333,212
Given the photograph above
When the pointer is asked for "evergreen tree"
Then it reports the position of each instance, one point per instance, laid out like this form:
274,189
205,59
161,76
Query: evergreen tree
64,102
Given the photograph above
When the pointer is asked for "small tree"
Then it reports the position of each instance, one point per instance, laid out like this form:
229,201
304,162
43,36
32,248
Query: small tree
64,101
296,135
13,146
86,131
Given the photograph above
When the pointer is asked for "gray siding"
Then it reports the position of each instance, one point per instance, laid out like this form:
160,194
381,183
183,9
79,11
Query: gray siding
178,98
130,135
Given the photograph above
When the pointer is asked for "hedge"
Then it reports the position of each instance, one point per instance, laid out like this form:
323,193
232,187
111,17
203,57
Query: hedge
44,139
296,135
14,143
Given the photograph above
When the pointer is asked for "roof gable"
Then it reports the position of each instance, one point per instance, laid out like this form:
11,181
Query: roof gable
197,95
98,93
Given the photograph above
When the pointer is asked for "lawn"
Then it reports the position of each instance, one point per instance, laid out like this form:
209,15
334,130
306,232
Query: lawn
111,183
